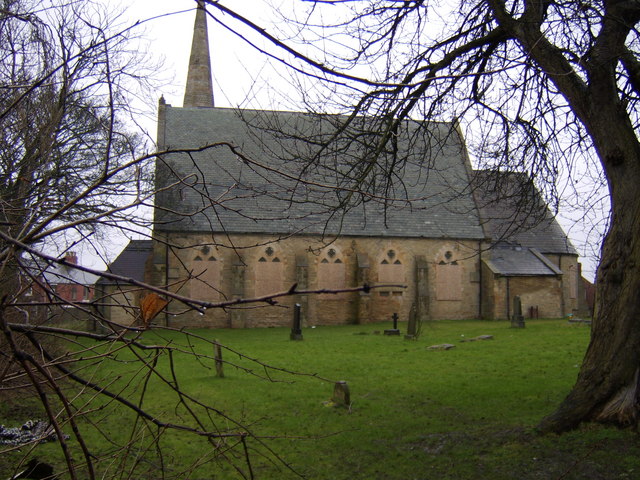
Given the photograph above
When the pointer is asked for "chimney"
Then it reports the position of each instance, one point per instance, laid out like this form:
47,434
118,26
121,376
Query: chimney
71,257
199,89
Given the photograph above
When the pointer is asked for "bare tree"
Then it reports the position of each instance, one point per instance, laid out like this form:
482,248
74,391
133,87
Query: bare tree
544,79
72,170
65,146
549,88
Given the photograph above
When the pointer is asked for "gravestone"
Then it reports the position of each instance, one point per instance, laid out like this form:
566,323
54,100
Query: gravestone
296,331
302,279
412,324
341,395
422,290
394,330
479,337
443,346
517,321
218,357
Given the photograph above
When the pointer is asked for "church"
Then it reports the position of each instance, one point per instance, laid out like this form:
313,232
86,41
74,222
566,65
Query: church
251,202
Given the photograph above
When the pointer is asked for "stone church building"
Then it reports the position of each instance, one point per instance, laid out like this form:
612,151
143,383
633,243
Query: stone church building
247,207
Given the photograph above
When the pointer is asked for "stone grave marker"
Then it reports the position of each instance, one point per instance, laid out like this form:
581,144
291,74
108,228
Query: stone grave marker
296,330
443,346
394,330
218,357
475,339
517,321
341,395
412,324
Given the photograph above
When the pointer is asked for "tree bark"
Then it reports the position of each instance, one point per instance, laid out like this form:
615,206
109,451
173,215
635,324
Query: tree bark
607,389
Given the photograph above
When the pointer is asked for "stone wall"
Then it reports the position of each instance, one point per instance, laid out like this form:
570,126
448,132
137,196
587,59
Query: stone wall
439,275
570,282
545,293
119,304
549,294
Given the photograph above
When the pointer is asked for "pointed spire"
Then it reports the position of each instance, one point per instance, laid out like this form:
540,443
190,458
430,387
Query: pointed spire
199,90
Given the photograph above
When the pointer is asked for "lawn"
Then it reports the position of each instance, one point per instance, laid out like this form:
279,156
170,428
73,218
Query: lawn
415,413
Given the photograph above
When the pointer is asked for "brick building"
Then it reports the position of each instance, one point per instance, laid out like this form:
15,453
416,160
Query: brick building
63,284
53,291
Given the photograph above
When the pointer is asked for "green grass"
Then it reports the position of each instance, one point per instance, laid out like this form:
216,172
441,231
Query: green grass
464,413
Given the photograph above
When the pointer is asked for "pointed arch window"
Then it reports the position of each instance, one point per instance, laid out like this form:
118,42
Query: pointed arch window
268,273
448,279
205,282
332,273
391,269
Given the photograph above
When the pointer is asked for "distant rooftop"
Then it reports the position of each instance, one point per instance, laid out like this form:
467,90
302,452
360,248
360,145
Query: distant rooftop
131,262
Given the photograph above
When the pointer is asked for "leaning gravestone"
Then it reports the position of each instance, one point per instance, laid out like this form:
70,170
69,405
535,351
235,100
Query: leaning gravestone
341,395
217,348
296,330
517,321
412,324
36,470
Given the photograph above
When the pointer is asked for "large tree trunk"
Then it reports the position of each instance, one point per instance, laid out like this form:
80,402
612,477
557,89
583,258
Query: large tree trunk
608,388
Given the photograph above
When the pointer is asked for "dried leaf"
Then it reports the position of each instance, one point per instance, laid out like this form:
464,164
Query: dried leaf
150,306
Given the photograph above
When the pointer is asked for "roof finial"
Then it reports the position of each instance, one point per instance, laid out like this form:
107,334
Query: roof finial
199,90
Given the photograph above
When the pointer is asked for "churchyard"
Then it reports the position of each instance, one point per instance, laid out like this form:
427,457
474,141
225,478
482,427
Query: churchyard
466,412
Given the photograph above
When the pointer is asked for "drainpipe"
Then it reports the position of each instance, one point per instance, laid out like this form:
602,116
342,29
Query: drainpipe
508,300
563,306
480,279
166,277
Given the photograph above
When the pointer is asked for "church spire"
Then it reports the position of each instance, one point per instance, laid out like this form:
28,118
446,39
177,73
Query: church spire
199,90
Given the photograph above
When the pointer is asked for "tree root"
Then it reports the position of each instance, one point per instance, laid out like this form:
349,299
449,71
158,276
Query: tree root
623,408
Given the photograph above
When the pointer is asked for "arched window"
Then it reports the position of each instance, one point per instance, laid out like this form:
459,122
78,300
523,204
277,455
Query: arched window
331,271
205,282
269,273
448,279
391,269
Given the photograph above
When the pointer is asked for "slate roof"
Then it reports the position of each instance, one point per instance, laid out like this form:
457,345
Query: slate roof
61,274
513,212
56,274
513,261
131,262
258,191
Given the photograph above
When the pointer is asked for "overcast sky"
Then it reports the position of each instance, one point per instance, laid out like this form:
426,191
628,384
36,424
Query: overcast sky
237,68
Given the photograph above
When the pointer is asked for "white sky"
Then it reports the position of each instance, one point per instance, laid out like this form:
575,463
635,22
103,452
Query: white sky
168,35
241,75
